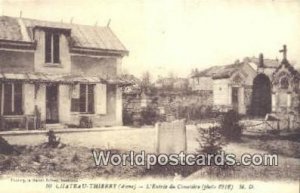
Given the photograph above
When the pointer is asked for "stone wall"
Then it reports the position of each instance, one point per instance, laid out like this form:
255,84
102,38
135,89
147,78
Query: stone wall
169,104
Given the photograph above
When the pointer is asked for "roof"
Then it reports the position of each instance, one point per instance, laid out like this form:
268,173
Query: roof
294,71
82,36
219,72
268,63
60,78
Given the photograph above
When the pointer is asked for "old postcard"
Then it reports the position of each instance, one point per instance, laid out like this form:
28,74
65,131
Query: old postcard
150,96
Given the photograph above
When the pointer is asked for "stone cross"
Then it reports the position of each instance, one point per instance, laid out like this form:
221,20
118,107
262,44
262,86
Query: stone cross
284,51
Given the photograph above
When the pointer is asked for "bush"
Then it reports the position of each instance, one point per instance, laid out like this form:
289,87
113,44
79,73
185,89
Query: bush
53,141
210,140
127,117
149,116
194,112
5,147
230,126
85,122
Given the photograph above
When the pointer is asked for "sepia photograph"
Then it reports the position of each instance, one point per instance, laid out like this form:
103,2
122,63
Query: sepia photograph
150,96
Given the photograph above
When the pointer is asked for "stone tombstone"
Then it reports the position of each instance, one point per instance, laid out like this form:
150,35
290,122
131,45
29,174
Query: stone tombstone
171,137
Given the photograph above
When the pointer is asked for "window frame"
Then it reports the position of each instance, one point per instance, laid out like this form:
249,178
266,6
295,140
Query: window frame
52,48
14,109
86,99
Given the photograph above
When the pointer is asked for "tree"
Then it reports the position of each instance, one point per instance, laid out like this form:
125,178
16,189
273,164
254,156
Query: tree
210,140
146,85
230,126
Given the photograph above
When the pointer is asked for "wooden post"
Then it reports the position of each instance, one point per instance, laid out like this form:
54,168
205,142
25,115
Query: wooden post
157,128
2,98
2,106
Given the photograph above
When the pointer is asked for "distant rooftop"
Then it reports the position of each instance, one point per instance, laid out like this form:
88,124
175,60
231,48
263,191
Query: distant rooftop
268,63
226,71
219,72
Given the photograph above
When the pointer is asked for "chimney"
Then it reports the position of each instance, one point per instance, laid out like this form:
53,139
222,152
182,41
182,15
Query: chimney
261,61
260,68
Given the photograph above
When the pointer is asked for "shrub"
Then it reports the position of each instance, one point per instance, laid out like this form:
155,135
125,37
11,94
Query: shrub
210,140
75,158
194,112
230,126
53,141
149,115
85,122
127,117
5,147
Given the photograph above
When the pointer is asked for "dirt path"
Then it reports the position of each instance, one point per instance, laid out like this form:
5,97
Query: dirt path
144,139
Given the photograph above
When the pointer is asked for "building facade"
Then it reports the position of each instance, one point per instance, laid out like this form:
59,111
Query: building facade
230,85
59,73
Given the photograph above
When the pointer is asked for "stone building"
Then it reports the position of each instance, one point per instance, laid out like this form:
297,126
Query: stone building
231,85
58,73
277,94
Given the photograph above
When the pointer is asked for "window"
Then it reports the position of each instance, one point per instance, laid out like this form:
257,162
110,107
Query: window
85,102
13,99
52,47
284,83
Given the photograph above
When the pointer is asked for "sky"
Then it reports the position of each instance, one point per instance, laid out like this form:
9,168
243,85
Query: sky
175,36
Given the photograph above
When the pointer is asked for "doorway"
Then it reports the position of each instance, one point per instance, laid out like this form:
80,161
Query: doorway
261,102
235,99
52,104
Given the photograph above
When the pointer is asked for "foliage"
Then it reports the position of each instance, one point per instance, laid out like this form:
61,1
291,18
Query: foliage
230,126
127,117
37,114
149,116
53,141
194,112
146,83
5,147
210,140
85,122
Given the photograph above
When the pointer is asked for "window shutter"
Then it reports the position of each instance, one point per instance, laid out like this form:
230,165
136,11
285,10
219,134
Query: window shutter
100,99
56,48
48,54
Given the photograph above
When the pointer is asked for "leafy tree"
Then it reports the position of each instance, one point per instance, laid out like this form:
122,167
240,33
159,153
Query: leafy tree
231,129
210,140
146,82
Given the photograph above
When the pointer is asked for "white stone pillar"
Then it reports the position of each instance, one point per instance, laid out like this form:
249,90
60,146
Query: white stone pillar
242,107
64,104
29,98
119,106
229,95
100,99
289,100
273,102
